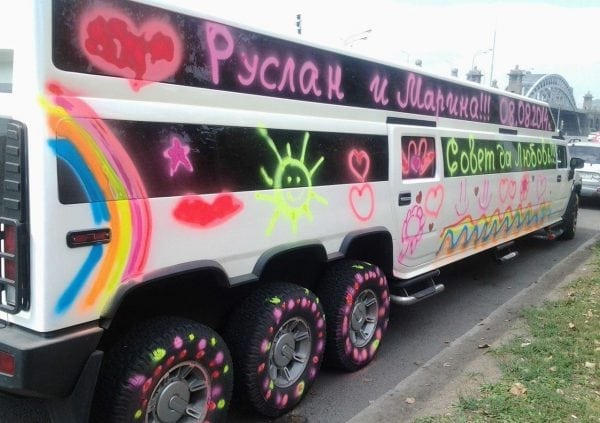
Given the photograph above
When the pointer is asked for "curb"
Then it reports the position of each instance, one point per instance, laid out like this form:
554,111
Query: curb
439,373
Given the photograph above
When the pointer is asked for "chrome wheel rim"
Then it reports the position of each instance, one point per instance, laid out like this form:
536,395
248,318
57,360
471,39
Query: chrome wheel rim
290,352
363,321
181,395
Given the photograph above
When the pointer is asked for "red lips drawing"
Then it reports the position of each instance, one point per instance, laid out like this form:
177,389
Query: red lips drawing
196,211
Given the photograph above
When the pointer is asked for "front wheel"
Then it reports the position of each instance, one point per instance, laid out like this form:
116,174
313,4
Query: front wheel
356,301
166,370
569,225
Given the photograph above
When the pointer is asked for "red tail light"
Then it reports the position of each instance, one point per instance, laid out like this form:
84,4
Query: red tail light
10,247
10,239
7,363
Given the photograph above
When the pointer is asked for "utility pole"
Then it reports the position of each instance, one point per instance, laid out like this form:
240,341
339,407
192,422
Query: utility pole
493,54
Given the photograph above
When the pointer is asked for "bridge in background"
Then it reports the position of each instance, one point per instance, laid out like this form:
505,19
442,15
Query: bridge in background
555,90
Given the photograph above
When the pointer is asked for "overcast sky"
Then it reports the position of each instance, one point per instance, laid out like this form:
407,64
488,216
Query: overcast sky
541,36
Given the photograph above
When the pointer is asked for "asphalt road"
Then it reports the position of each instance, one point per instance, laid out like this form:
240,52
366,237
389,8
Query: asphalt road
474,289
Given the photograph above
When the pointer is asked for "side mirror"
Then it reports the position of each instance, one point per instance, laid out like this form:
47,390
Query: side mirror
576,163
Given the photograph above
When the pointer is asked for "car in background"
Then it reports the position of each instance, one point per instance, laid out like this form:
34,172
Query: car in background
590,173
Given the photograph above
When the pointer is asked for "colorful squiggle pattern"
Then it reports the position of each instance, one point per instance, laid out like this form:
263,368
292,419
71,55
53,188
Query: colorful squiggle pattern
107,174
469,232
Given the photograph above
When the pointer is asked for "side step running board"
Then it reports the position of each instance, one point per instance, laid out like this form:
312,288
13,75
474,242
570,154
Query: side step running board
505,252
412,291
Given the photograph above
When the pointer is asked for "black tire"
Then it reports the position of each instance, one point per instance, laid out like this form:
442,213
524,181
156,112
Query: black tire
356,301
157,361
277,339
569,225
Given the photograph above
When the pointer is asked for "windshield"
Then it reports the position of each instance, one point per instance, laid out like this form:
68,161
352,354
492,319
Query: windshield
6,70
588,154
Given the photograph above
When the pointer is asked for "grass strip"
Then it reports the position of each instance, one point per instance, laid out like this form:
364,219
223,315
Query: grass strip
553,373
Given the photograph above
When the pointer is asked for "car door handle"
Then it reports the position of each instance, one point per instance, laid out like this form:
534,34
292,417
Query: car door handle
404,198
559,178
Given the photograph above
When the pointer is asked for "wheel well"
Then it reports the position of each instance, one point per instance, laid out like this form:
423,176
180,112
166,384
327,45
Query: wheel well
374,246
199,295
298,264
206,294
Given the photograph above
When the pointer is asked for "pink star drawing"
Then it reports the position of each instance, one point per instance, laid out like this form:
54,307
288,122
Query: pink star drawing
177,154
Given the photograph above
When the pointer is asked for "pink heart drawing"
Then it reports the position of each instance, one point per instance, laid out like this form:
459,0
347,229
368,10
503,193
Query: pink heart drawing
540,187
362,202
507,189
418,158
434,199
359,163
113,43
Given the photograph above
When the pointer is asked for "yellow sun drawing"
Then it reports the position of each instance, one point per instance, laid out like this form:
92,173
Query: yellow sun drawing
292,185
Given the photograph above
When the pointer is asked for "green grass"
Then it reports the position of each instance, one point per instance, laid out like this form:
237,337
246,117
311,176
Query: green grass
558,363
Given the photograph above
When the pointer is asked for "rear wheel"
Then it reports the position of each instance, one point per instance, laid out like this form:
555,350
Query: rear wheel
277,338
166,370
356,301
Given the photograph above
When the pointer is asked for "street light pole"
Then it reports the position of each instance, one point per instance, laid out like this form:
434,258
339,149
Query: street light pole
359,36
351,39
493,55
477,54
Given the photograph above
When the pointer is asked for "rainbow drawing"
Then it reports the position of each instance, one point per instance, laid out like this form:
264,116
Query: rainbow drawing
469,232
116,194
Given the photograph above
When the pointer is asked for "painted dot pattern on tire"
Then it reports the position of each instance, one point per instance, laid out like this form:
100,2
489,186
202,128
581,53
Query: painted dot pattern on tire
364,275
280,397
343,284
184,348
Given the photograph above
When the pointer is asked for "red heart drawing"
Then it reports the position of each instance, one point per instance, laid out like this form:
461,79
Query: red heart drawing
434,199
113,43
362,202
359,163
196,211
419,197
524,187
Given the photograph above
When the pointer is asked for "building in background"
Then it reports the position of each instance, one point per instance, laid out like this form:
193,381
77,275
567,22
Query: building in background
591,108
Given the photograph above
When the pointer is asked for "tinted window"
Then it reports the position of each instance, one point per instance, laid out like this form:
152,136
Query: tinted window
174,159
418,157
154,44
6,70
561,156
474,156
